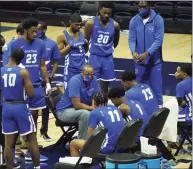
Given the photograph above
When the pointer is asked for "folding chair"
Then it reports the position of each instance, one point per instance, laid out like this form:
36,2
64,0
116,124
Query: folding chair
90,149
52,98
154,128
185,129
127,138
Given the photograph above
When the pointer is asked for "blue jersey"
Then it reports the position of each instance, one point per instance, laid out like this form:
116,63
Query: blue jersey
12,83
75,60
137,111
34,52
144,94
102,38
6,53
76,88
184,91
52,53
110,118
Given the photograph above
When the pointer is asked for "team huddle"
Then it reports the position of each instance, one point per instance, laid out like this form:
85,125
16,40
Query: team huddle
31,60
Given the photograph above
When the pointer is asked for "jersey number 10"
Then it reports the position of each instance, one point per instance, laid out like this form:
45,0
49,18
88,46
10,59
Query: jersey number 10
9,79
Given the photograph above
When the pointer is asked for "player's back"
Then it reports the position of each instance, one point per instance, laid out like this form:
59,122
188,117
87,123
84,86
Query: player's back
102,38
76,56
144,94
34,52
110,118
12,84
185,88
137,111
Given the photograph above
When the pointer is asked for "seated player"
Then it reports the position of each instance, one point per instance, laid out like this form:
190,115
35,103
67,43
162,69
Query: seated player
16,117
107,116
76,103
184,91
131,109
140,92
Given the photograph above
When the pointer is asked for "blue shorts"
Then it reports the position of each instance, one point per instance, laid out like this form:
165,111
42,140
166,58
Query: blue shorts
68,75
16,118
184,114
103,67
37,102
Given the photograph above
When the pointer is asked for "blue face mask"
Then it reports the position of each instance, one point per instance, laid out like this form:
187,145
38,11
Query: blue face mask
88,79
39,34
144,12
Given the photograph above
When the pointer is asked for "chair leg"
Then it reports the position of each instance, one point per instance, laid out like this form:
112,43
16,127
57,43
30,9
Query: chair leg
57,143
166,153
180,146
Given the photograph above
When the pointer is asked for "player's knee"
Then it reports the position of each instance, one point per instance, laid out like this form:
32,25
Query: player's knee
73,144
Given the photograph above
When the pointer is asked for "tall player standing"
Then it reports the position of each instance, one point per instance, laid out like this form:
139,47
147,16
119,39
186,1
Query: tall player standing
34,62
103,34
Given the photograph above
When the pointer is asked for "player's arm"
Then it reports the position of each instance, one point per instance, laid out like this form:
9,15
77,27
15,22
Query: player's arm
180,93
54,68
27,82
61,42
124,109
92,122
88,29
44,71
117,34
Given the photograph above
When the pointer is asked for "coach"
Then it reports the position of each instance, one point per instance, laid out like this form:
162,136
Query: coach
146,34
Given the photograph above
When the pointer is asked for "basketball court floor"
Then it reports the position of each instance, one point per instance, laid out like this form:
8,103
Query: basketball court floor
176,48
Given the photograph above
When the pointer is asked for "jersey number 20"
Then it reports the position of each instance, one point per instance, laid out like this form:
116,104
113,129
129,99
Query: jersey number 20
114,114
9,79
103,39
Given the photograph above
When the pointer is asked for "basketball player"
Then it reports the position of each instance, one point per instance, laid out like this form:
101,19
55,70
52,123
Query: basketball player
16,117
52,57
184,91
73,46
146,34
34,62
107,116
131,109
140,92
103,34
6,53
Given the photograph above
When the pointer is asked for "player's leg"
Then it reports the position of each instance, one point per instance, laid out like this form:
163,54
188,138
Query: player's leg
156,82
142,73
76,116
10,141
75,146
107,73
95,62
33,148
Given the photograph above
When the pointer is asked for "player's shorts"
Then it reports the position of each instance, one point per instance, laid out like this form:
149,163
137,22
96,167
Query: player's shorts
37,101
16,118
103,67
68,75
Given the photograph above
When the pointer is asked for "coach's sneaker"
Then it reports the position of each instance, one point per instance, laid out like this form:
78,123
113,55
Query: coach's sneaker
28,157
46,137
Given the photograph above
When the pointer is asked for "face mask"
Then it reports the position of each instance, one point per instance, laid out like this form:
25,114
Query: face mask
143,12
87,79
39,34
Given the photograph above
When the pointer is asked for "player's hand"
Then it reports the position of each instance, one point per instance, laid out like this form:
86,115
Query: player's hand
48,87
4,48
135,56
142,56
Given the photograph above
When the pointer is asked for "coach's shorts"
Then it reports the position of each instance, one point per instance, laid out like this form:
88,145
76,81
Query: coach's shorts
16,118
103,67
37,101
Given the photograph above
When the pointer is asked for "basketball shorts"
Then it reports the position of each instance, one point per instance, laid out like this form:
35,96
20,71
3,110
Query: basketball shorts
37,101
184,114
103,67
16,118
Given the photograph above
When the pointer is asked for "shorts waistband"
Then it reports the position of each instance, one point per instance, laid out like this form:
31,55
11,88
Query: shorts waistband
14,101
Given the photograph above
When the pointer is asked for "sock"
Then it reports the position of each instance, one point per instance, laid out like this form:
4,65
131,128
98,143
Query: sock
38,167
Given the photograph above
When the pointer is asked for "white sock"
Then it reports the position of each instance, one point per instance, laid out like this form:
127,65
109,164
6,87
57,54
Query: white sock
38,167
